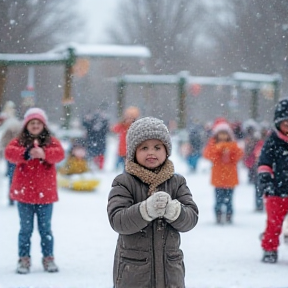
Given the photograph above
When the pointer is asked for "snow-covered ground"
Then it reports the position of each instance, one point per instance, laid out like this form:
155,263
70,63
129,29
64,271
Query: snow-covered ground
226,256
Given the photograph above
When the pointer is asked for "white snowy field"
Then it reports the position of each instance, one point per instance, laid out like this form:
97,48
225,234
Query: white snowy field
226,256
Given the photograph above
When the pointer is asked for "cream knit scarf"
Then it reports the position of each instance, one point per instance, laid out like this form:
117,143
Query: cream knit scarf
149,177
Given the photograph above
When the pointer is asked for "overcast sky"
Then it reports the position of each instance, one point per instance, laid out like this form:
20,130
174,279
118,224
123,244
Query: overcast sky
100,14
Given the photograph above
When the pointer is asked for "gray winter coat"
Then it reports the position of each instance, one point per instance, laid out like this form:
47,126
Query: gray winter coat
147,253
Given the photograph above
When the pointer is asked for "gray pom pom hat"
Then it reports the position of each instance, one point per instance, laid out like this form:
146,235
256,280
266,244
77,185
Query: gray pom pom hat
145,129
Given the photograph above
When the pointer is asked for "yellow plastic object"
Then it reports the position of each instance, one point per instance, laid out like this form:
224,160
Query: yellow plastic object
84,185
77,184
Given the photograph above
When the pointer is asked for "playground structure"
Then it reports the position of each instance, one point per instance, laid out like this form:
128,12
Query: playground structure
66,55
250,81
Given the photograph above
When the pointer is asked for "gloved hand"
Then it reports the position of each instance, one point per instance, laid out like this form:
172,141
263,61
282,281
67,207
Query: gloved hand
154,206
226,156
173,210
265,184
37,152
268,189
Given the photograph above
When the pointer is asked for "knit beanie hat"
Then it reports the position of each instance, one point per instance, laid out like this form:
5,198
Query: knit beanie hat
145,129
281,112
219,120
223,126
35,113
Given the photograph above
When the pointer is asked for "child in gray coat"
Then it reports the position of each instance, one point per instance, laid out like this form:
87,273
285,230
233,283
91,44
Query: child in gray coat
148,206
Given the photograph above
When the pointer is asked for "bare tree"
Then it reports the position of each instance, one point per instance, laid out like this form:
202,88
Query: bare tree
168,28
32,26
253,37
36,25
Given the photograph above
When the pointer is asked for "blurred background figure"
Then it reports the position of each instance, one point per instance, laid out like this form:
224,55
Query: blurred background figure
224,153
251,137
9,129
195,146
97,127
207,133
131,114
261,135
76,162
76,173
237,129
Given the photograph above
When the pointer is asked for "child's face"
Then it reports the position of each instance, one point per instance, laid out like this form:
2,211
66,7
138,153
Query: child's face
284,127
78,152
129,120
223,136
151,153
35,127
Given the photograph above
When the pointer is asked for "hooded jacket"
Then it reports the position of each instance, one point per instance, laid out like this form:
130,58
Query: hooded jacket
272,165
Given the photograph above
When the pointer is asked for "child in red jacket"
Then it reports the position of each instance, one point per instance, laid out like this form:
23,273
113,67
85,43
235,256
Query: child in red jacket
34,185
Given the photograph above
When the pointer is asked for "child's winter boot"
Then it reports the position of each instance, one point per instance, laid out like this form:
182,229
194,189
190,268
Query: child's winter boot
23,266
49,264
218,217
270,257
261,235
229,218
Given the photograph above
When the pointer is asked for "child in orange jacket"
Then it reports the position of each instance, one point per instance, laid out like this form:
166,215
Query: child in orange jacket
130,115
222,150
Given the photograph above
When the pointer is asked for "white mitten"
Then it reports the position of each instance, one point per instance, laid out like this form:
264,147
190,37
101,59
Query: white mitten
173,210
154,206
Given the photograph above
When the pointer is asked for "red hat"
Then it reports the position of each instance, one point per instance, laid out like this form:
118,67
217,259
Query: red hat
35,113
219,120
223,126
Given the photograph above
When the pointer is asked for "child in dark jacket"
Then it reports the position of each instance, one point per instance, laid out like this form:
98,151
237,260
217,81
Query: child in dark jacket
34,186
148,206
273,181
